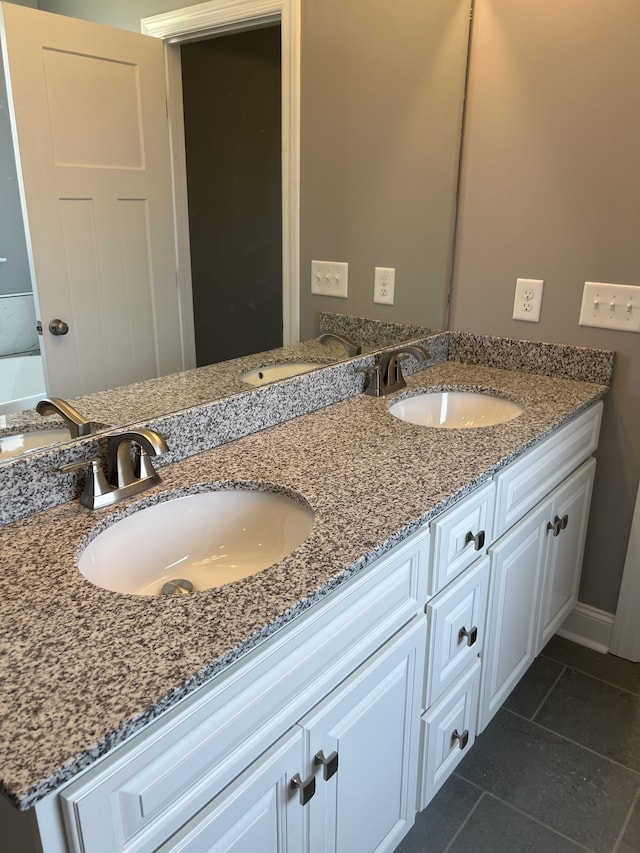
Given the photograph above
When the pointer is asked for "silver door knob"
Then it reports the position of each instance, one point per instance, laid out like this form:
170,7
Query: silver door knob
58,327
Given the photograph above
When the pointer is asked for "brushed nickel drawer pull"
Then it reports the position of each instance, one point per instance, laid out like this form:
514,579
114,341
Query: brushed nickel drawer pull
477,539
306,787
471,635
463,739
329,764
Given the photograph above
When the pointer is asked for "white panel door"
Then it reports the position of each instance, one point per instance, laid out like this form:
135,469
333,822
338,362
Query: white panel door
91,136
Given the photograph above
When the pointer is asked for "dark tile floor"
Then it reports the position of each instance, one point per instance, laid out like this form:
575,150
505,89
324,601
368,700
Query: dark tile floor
556,771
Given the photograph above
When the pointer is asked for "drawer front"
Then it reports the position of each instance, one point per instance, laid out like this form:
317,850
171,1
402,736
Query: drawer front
456,628
448,733
459,535
149,787
527,481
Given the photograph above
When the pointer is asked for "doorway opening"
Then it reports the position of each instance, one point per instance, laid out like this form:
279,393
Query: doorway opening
203,22
231,92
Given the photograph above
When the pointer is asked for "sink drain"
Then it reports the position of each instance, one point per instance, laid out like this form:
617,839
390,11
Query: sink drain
180,586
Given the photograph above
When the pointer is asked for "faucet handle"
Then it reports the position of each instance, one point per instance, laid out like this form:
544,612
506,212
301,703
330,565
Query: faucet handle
96,484
373,376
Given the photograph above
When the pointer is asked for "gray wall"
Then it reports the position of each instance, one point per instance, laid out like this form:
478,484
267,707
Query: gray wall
381,90
551,190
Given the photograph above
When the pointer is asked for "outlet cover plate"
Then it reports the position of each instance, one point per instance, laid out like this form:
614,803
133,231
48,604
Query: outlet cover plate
329,278
611,306
528,299
384,282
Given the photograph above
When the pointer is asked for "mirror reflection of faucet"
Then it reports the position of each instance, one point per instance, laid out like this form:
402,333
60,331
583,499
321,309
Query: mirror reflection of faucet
126,477
351,348
77,425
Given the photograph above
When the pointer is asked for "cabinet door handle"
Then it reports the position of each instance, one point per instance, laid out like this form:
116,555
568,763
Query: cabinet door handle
306,787
471,635
329,764
564,521
555,525
477,539
463,739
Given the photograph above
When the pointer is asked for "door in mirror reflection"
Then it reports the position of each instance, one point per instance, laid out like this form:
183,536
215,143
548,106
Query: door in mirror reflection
89,113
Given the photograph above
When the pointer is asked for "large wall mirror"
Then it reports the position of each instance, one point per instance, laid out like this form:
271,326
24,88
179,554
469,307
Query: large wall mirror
381,101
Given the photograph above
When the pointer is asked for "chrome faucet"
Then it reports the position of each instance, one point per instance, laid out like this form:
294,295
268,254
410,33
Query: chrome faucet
76,424
350,347
126,476
386,376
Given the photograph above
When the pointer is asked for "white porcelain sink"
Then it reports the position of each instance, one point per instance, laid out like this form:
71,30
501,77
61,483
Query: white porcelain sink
273,372
207,539
455,409
22,442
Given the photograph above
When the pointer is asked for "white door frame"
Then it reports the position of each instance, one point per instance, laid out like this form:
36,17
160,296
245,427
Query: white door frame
214,18
625,640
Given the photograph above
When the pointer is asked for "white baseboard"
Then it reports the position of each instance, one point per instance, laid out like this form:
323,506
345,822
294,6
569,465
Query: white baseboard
589,627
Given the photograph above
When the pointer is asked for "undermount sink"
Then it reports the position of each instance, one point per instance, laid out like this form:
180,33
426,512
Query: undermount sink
196,541
23,442
272,372
455,409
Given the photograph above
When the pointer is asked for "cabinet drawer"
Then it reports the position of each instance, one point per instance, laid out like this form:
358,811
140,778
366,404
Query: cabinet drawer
148,788
448,733
459,535
525,482
456,627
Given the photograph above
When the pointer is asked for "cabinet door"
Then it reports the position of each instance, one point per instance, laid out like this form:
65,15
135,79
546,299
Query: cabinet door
566,530
367,800
510,643
456,625
258,812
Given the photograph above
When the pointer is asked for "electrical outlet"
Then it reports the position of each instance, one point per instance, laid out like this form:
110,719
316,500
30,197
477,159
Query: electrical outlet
329,278
384,282
611,306
526,305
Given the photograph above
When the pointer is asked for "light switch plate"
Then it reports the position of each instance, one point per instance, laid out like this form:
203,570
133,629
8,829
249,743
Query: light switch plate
329,278
611,306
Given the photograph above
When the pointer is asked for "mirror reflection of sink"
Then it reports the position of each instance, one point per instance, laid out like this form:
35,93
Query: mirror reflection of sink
273,372
18,443
455,409
196,541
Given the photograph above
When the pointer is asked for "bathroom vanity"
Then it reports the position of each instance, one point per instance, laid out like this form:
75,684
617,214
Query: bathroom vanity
350,678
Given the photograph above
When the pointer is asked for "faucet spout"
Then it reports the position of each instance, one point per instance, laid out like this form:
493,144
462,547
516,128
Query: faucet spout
350,347
146,443
390,376
76,424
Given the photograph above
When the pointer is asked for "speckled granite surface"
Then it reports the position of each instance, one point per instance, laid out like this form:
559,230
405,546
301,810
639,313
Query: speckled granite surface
32,483
73,681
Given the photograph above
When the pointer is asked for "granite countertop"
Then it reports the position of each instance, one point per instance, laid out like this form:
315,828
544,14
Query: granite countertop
82,668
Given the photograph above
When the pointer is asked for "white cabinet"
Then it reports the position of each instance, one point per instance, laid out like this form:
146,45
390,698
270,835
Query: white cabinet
355,754
211,754
516,566
448,733
364,701
535,574
568,517
252,813
371,723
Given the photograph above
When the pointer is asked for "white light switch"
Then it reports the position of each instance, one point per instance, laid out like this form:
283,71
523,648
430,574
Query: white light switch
611,306
329,278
